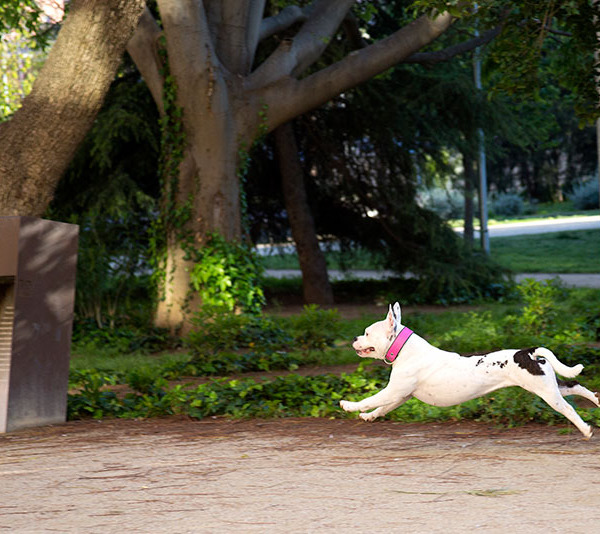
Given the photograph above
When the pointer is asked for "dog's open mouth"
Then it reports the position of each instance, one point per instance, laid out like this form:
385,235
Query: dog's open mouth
365,352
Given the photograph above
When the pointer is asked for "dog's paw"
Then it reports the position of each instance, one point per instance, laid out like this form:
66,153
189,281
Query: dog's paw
348,406
368,417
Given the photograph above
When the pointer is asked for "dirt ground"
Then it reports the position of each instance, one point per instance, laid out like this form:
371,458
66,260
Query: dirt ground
297,476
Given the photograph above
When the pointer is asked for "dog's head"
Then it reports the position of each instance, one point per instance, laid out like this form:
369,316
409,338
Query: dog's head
378,337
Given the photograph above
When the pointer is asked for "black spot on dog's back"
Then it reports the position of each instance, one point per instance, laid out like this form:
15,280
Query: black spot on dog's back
471,354
524,360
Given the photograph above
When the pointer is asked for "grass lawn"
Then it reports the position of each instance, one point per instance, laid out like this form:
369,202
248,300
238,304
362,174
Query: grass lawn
560,252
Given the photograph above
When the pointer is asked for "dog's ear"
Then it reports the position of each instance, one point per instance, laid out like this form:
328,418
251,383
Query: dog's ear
397,312
393,318
390,321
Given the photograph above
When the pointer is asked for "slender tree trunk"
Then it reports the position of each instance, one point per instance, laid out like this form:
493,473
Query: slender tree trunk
315,282
596,4
38,143
470,177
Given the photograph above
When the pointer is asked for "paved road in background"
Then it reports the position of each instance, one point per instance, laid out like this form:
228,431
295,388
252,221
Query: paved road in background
564,224
569,280
498,230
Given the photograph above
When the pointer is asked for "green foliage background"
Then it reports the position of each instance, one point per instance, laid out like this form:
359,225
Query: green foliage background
278,348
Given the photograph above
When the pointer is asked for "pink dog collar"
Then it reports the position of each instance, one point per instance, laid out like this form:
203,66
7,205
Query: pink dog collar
397,345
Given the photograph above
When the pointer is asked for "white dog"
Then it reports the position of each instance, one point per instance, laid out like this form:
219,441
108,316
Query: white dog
442,378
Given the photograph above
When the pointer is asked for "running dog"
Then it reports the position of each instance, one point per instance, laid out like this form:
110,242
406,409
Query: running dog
442,378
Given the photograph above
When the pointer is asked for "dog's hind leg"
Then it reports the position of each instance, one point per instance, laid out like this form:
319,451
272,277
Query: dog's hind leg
548,391
572,387
382,410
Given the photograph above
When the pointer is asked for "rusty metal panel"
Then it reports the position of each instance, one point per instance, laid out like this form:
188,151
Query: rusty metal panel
7,316
42,294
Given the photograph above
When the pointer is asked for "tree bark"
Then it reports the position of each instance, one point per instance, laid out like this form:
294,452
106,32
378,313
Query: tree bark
39,141
315,282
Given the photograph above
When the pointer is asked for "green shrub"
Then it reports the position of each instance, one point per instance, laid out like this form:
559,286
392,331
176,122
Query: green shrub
93,399
477,332
222,342
446,203
585,195
314,328
216,329
88,337
545,318
227,275
469,278
507,205
541,304
584,354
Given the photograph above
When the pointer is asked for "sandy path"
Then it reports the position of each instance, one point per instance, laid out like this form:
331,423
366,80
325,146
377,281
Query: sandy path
177,476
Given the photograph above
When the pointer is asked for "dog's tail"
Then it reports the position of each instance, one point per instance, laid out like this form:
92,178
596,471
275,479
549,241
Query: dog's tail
559,368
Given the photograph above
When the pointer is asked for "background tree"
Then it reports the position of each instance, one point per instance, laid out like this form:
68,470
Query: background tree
40,139
315,281
226,101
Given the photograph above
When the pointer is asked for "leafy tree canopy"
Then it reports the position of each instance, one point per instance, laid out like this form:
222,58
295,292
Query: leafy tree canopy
542,41
23,14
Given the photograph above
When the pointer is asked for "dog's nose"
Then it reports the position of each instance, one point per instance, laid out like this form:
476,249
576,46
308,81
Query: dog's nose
354,340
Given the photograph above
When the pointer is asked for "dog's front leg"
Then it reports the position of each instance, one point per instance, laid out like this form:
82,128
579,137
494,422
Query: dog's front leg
388,396
382,410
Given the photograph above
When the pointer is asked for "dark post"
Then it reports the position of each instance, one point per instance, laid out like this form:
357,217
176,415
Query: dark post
38,260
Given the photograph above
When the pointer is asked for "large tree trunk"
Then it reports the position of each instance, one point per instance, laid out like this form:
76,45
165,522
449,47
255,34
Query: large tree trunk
39,141
315,282
207,187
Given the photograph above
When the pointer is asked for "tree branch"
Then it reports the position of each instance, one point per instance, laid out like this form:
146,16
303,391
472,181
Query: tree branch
234,27
291,97
555,32
353,31
255,18
143,49
287,17
316,33
188,38
455,50
295,55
